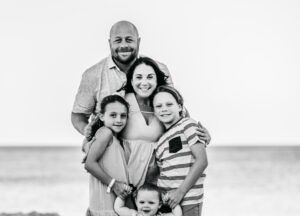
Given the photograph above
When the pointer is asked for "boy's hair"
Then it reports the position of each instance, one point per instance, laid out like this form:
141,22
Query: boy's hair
96,122
150,187
171,90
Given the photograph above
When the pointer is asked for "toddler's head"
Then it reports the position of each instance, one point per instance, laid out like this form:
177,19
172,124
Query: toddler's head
148,199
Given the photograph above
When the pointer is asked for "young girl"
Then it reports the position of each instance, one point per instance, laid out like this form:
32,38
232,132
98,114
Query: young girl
106,160
180,154
148,202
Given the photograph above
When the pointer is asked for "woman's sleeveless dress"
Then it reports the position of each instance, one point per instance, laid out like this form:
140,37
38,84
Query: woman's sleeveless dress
138,141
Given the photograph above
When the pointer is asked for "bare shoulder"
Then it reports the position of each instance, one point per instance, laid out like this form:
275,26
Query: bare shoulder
104,133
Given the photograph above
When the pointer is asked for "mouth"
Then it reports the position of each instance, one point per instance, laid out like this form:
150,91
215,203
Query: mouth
118,126
164,115
146,211
124,54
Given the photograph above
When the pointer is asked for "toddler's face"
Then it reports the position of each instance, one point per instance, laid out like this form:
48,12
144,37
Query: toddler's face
147,202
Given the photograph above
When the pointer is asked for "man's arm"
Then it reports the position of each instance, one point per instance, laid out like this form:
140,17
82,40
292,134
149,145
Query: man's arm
80,121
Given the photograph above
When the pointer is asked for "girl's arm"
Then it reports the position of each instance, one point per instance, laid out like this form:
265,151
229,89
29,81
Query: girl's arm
103,138
199,152
121,209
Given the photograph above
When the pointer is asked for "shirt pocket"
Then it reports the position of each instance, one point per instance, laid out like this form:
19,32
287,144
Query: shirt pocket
175,145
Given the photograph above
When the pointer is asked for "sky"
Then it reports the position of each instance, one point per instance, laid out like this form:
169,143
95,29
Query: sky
236,64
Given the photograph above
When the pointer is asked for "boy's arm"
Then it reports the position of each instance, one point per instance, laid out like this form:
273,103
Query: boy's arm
199,152
121,209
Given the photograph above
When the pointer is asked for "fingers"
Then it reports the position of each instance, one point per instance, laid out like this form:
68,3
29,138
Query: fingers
203,134
200,125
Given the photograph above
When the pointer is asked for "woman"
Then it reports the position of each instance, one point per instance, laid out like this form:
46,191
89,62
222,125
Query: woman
143,129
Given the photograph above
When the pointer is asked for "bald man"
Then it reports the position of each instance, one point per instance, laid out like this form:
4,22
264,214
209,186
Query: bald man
109,75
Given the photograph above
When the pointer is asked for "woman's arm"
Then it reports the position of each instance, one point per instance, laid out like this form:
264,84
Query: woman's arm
121,209
103,138
199,152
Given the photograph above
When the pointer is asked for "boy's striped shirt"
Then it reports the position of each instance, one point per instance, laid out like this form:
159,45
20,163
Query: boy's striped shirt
174,167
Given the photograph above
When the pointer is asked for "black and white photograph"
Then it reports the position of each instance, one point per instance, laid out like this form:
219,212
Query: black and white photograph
150,108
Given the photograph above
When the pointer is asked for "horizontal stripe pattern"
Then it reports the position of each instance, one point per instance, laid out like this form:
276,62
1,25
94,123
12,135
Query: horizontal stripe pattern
174,167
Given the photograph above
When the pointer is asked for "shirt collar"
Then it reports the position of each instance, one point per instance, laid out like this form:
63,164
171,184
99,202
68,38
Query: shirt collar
111,64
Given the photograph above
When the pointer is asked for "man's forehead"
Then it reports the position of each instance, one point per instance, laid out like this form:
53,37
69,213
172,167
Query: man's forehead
123,29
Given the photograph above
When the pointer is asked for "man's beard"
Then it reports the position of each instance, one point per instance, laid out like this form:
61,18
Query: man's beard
128,60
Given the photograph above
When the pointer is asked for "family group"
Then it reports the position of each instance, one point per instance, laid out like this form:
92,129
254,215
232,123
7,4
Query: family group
144,154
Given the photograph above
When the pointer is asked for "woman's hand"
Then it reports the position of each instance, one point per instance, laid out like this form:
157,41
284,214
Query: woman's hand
174,197
121,189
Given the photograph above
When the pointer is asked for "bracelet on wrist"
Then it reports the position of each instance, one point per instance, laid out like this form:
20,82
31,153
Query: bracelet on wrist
111,183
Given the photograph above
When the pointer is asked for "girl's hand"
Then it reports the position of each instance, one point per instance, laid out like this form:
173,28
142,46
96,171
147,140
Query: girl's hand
174,197
121,189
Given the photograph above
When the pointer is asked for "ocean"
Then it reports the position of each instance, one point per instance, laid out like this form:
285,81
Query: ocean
241,181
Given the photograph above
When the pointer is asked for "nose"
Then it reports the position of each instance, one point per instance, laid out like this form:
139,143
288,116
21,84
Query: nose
124,44
144,81
164,108
118,118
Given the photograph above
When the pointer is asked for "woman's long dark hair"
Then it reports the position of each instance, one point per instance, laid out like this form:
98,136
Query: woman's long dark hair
161,77
96,122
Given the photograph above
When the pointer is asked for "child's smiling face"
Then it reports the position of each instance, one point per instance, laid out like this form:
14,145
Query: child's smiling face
114,116
148,202
166,108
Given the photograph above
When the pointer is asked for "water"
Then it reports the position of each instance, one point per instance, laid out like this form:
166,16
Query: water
250,181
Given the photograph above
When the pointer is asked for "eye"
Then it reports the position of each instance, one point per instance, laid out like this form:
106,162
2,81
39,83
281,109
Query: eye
129,40
118,40
114,115
169,104
124,116
158,106
151,76
141,202
138,76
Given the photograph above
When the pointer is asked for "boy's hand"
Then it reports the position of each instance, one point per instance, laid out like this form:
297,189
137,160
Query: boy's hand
174,197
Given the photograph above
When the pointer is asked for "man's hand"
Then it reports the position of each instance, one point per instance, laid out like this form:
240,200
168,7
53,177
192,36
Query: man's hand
203,134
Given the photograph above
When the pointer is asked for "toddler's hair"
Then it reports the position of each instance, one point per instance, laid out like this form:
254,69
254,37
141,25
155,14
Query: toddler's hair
96,122
150,187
